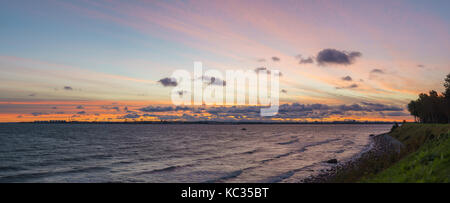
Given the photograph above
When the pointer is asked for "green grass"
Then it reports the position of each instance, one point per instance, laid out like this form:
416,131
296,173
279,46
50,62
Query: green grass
414,135
427,155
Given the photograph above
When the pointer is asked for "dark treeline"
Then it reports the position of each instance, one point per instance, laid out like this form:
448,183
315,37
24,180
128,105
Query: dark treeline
432,107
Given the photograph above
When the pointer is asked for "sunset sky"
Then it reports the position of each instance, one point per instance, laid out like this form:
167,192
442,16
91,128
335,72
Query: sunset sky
103,60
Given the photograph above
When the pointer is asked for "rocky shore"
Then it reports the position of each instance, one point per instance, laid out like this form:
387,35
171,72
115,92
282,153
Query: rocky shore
383,151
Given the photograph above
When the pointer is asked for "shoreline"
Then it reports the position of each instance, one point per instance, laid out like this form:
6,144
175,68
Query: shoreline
380,146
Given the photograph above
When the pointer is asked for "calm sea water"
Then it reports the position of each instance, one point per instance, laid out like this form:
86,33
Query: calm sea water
175,153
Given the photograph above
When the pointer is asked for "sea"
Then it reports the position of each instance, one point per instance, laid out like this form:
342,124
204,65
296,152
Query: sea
177,153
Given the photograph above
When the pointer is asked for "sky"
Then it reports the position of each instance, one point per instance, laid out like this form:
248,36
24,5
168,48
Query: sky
105,60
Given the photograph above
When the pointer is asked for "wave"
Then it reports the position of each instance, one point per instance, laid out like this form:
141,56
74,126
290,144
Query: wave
11,168
165,169
230,175
84,158
288,142
249,152
303,149
228,155
27,176
63,161
123,162
283,176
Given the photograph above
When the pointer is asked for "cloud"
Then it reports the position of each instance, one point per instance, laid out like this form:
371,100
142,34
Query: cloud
261,60
370,107
333,56
304,60
397,114
376,74
39,113
130,116
286,111
68,88
54,107
127,110
262,68
275,59
268,71
421,66
182,92
168,82
376,70
381,107
32,95
80,107
347,78
163,117
81,112
353,107
156,109
111,108
297,110
352,86
182,108
45,113
213,81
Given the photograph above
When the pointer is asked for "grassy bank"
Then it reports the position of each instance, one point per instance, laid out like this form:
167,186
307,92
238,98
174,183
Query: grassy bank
426,155
410,153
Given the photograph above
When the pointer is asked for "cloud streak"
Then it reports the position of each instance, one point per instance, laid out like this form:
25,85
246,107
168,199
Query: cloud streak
286,111
376,70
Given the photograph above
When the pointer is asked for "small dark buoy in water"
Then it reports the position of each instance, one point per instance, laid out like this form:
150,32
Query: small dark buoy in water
244,129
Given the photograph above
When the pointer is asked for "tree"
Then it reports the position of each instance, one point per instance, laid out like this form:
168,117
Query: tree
412,108
432,107
446,94
447,87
